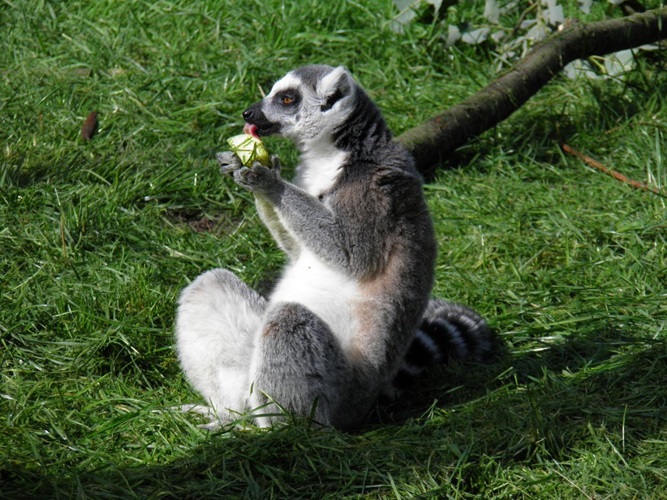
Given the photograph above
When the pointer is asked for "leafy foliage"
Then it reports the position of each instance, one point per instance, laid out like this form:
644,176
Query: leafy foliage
513,27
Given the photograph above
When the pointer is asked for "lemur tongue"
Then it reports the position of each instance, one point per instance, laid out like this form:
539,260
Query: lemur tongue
251,130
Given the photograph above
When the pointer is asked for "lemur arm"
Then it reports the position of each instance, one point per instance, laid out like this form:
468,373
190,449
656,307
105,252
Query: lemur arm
231,163
280,234
306,219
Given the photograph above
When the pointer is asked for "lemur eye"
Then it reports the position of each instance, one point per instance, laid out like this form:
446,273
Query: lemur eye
286,100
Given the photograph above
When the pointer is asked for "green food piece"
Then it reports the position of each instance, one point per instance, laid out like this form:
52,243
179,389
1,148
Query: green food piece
249,149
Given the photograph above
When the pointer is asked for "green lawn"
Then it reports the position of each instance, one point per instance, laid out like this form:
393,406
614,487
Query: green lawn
97,239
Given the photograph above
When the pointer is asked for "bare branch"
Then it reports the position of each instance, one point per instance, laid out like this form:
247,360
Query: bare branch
439,136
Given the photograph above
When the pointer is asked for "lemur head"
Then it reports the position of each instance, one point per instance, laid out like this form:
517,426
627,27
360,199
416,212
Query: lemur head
306,105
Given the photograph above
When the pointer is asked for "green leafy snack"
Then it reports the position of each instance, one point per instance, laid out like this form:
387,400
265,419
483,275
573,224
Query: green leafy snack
249,148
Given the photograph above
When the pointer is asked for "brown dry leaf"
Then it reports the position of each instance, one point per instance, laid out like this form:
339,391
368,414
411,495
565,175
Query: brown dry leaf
89,127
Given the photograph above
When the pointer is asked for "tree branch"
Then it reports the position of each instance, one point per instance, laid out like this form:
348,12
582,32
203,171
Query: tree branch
439,136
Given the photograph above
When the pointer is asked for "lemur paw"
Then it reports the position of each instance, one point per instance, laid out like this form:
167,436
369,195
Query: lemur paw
229,162
258,178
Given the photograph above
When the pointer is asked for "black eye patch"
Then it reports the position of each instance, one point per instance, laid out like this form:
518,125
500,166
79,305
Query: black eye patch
288,98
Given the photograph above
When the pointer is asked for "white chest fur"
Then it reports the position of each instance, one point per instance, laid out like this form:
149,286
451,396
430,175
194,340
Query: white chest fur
319,167
325,291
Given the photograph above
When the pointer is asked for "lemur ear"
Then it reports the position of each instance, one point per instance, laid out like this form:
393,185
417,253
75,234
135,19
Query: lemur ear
337,85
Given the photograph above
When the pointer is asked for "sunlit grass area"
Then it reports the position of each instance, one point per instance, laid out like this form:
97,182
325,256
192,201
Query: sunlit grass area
98,237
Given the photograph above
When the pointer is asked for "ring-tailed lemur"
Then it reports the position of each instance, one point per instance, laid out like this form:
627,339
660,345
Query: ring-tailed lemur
350,318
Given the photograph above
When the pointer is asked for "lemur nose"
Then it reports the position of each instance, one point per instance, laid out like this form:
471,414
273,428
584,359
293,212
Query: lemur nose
247,114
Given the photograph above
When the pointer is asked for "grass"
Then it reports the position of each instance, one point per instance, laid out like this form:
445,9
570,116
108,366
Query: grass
98,238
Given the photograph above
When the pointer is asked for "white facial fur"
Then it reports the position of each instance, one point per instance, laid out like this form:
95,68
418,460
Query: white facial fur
308,123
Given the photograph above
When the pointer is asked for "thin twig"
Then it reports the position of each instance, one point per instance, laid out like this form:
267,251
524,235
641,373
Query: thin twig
616,175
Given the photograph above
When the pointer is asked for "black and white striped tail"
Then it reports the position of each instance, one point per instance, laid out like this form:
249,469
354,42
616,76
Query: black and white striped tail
448,332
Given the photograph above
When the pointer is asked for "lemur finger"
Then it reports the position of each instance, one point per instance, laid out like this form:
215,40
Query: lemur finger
229,162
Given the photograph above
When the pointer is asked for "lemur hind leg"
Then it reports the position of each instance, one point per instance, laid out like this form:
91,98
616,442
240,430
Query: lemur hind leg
300,366
217,320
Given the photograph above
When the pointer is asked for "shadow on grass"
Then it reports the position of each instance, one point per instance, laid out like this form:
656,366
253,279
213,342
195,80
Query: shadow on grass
527,408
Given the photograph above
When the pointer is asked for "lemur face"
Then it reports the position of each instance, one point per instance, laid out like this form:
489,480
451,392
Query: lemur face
305,105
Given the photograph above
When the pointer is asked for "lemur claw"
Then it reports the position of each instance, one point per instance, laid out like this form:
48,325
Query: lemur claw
275,164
